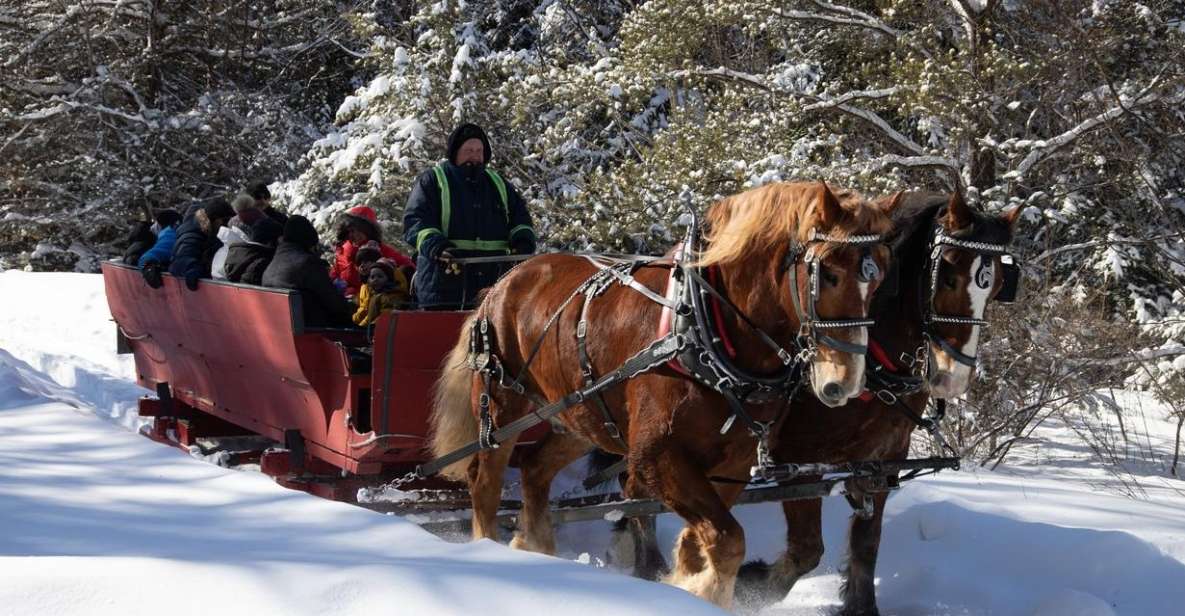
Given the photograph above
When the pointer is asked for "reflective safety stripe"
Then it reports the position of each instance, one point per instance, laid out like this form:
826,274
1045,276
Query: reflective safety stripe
446,208
501,186
489,245
423,234
521,228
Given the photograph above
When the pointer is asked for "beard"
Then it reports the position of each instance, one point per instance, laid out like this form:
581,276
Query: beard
472,169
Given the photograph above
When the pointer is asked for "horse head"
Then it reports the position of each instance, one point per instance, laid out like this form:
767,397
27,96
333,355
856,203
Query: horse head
969,265
834,267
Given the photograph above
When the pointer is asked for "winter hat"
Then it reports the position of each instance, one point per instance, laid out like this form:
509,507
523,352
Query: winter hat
464,133
266,231
243,201
298,230
365,219
257,189
369,252
218,208
166,217
388,267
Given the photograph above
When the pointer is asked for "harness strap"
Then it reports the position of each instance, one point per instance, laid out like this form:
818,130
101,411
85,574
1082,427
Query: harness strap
784,355
959,356
629,281
655,354
586,368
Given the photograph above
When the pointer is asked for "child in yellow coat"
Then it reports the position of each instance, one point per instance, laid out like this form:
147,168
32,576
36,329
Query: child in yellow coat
386,288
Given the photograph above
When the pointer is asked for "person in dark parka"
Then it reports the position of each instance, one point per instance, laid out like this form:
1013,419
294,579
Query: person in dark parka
246,261
462,208
298,266
263,200
139,240
197,241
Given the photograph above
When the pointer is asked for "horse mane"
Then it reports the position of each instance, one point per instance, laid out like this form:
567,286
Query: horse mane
758,221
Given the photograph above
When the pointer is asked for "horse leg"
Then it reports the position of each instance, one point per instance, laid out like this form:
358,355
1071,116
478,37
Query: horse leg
649,563
761,584
864,538
710,549
485,488
539,468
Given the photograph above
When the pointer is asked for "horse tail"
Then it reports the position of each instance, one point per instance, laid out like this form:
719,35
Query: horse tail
452,422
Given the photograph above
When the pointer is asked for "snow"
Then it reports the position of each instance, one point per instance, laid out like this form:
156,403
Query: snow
100,520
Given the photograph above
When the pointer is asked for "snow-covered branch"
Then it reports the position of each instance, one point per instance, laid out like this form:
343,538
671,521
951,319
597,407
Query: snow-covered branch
1043,149
867,115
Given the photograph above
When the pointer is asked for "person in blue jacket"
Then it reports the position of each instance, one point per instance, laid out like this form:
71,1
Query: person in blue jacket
197,240
157,258
462,208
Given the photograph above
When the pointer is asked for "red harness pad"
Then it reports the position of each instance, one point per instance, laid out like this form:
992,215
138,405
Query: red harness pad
667,319
878,353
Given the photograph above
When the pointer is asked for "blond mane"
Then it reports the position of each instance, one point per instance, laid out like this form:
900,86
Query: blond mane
758,221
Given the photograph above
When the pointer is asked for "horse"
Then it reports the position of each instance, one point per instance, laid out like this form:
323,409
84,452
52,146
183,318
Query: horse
789,265
950,261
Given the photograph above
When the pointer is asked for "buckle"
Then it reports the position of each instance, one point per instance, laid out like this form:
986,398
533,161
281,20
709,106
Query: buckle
611,428
886,396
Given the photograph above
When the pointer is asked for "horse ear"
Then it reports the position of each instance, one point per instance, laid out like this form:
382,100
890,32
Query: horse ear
828,207
958,214
893,202
1013,215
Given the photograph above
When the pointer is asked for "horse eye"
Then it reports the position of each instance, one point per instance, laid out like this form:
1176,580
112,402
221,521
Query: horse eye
948,282
829,276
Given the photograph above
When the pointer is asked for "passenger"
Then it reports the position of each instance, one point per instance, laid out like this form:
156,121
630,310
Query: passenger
359,226
462,208
263,200
386,288
298,266
139,240
246,262
236,231
197,241
161,254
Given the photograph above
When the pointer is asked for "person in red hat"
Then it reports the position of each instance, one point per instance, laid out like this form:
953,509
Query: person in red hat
359,226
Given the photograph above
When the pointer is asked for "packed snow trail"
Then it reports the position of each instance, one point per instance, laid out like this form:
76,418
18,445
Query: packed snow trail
101,521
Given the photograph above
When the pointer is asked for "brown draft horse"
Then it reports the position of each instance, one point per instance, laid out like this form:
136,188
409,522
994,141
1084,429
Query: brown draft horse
963,282
670,424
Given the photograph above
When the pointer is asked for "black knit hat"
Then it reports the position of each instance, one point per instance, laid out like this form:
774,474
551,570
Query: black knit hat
166,217
464,133
368,252
218,208
298,230
266,231
258,190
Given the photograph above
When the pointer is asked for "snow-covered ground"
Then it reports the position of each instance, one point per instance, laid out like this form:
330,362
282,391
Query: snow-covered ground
95,519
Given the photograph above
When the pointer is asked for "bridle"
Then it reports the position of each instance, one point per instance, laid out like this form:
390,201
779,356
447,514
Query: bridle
811,329
939,242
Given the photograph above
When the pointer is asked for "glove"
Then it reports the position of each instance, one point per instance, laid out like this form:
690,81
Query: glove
191,283
436,245
151,274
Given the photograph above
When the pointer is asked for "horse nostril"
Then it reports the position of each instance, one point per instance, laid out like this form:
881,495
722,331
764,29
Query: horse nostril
832,391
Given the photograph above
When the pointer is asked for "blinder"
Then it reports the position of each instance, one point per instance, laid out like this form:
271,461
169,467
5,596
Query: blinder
808,317
1011,284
